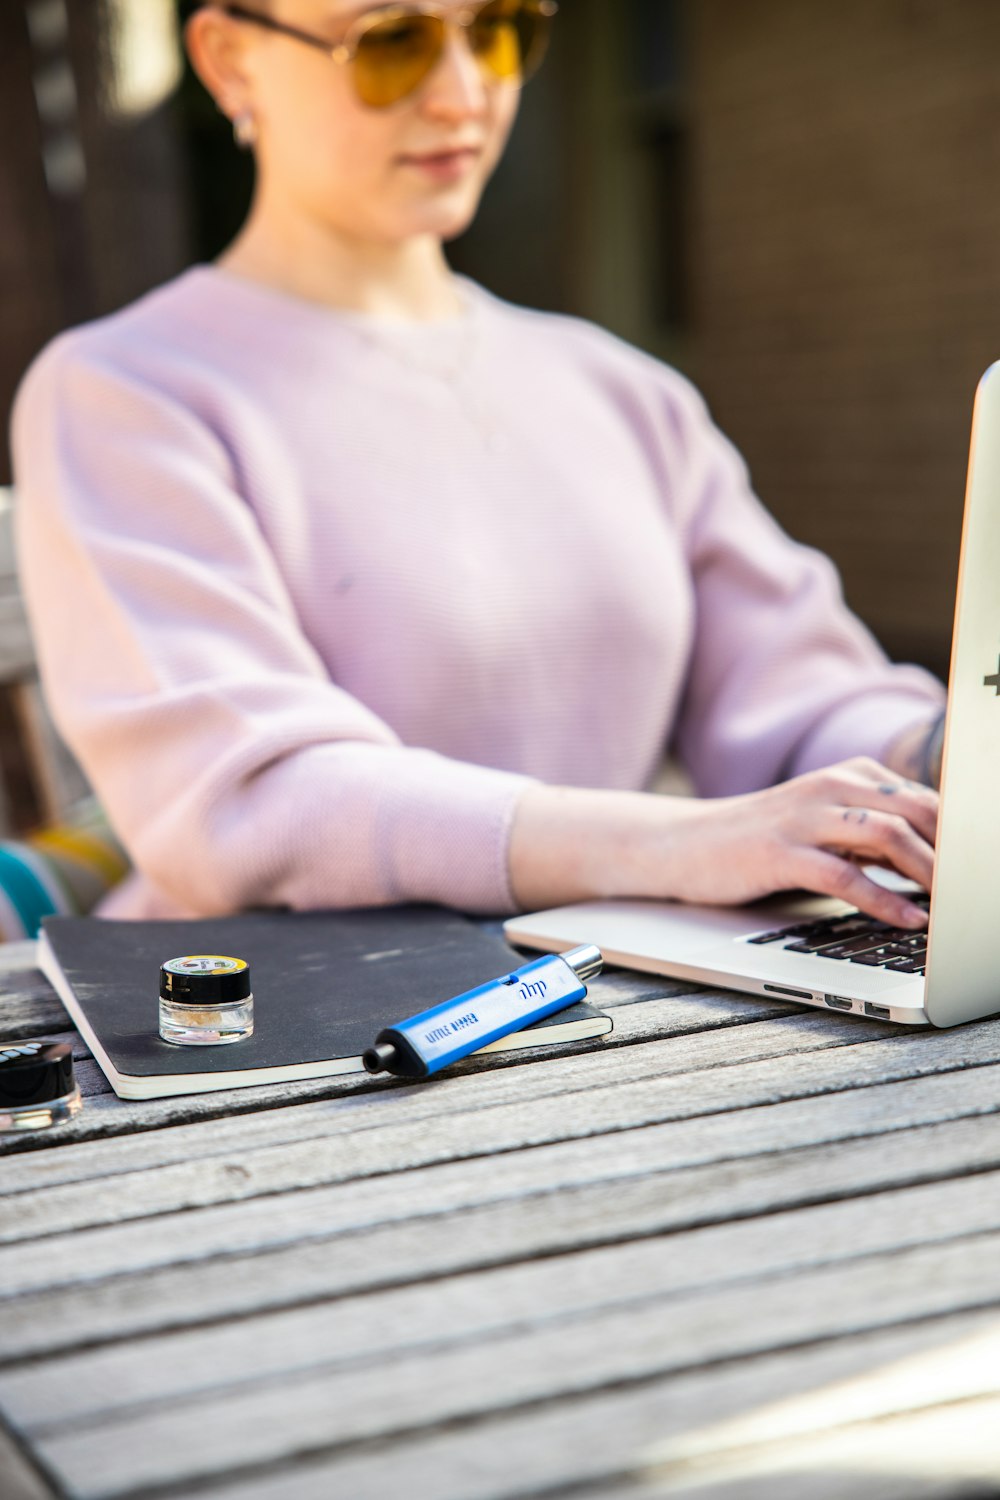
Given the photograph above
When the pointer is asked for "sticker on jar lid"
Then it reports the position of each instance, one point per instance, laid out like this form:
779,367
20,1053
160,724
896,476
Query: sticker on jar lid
205,963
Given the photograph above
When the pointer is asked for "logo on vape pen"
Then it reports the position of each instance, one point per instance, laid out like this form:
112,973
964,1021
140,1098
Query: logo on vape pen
994,681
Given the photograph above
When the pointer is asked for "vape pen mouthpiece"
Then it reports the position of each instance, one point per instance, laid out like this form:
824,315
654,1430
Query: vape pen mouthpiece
379,1059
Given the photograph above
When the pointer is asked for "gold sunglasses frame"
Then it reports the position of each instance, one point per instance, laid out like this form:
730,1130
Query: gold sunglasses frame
346,50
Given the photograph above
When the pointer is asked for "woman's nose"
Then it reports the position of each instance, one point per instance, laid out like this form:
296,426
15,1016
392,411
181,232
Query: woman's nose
456,88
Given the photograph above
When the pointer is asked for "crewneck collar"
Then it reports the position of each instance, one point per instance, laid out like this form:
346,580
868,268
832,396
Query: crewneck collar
291,306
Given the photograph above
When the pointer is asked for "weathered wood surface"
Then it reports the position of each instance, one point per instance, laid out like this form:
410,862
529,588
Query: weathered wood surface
494,1371
615,1269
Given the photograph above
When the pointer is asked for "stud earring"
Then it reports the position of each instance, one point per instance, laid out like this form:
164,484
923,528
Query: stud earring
244,129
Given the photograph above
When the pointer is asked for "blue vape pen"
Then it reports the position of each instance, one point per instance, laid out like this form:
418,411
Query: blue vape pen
431,1040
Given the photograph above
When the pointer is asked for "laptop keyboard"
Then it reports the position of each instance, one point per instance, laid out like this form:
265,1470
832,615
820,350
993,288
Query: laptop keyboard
857,939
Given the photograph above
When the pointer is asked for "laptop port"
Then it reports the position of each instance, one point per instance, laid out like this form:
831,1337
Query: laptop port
880,1012
839,1002
782,989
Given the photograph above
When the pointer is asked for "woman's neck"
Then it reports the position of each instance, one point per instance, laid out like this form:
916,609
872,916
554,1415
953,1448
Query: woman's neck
407,281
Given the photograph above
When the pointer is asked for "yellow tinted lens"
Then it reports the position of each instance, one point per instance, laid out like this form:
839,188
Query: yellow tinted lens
394,56
509,37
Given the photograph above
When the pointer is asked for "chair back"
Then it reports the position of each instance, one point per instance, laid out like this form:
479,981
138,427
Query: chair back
39,779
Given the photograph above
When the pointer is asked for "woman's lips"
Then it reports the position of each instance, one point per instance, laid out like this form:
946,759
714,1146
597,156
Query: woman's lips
444,166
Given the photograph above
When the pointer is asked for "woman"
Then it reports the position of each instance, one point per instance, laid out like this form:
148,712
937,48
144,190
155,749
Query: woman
354,584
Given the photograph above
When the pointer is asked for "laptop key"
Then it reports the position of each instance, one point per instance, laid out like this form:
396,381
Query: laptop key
852,928
799,930
915,944
876,957
906,966
827,938
802,933
852,947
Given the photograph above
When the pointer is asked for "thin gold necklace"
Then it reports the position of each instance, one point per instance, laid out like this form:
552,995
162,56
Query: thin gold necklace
450,366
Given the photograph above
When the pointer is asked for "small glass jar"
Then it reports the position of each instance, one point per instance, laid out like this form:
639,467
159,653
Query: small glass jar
205,1000
37,1085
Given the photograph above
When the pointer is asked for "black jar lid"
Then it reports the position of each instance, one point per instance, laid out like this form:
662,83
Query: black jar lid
35,1073
204,978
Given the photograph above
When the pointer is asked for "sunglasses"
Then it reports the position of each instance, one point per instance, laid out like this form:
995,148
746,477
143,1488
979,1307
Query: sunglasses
391,51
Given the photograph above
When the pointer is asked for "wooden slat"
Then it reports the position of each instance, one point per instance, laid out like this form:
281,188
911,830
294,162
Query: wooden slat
928,1453
74,1161
655,1019
392,1147
937,1452
202,1267
518,1366
934,1454
831,1484
574,1096
107,1115
263,1347
26,997
61,1156
558,1445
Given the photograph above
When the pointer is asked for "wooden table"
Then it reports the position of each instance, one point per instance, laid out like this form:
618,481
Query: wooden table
735,1250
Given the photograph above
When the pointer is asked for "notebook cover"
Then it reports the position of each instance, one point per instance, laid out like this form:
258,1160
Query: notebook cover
324,983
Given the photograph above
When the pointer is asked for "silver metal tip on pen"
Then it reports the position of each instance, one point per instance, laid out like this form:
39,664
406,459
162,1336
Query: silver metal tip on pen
586,961
380,1058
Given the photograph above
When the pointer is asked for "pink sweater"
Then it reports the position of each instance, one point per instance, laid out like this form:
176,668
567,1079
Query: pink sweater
315,595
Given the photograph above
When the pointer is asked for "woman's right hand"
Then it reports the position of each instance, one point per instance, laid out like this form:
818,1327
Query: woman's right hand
813,833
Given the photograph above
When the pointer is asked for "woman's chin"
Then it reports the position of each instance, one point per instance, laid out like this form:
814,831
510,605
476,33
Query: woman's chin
447,216
444,219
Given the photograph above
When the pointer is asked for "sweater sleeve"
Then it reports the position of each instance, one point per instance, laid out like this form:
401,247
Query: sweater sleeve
783,678
236,773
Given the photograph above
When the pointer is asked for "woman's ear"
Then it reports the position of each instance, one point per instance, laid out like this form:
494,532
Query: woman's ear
217,46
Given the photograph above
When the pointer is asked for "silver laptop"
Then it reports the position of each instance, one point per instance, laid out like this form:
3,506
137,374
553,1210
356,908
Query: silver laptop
818,951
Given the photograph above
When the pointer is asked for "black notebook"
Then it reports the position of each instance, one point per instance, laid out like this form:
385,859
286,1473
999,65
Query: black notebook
324,984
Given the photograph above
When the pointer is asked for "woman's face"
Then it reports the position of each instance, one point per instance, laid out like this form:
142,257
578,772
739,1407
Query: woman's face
369,173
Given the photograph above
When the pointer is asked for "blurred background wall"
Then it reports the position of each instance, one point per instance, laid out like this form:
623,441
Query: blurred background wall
794,202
